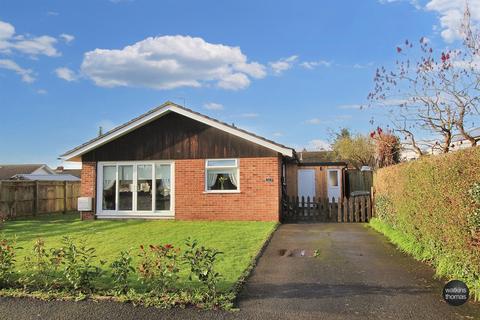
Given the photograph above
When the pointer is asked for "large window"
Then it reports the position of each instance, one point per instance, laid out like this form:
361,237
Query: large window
163,187
142,188
109,190
125,187
222,175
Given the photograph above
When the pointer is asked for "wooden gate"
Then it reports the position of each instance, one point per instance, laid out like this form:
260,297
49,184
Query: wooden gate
353,209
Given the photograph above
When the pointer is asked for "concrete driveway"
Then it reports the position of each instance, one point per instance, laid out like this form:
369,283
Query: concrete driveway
357,275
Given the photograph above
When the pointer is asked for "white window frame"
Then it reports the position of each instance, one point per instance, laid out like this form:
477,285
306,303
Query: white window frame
237,166
146,214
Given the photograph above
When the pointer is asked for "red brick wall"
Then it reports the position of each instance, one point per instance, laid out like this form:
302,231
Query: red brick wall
257,200
87,186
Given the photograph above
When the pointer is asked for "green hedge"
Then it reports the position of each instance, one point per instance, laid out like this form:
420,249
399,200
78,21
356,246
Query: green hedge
433,206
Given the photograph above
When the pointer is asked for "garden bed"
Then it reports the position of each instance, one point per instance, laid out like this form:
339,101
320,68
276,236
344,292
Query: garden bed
238,242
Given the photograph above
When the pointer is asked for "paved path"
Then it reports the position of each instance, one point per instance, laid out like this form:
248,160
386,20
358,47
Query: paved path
357,275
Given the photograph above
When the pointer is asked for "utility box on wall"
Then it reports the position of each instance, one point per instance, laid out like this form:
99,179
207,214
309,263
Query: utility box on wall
84,204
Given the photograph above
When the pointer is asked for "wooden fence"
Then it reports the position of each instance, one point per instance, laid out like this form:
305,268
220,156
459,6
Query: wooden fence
29,198
353,209
358,181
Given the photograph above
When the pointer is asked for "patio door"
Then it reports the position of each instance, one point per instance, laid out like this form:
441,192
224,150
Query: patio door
129,189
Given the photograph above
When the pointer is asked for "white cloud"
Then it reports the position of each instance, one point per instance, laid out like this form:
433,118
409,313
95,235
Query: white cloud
363,66
319,144
42,91
33,46
169,62
26,74
279,66
249,115
450,14
278,134
313,64
234,81
6,30
66,74
329,120
52,13
213,106
43,45
313,121
67,37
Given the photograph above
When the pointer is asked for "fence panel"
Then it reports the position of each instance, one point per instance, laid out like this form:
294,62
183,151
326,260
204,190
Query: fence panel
355,209
29,198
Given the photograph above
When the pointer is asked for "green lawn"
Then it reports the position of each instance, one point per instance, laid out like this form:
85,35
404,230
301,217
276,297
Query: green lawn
239,241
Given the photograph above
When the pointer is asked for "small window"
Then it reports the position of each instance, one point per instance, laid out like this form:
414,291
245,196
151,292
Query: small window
333,177
221,175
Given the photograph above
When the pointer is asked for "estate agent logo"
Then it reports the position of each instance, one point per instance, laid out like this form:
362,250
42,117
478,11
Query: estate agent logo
455,293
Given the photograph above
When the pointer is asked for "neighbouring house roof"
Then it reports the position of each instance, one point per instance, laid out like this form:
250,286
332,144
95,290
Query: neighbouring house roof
45,177
76,153
7,171
319,158
73,172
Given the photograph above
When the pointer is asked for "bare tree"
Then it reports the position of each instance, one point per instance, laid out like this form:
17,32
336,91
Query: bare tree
432,96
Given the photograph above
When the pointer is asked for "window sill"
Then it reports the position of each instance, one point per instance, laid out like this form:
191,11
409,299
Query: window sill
221,191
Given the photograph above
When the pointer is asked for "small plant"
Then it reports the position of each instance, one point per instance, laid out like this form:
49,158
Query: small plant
42,266
121,269
7,259
201,261
316,253
78,268
222,181
158,267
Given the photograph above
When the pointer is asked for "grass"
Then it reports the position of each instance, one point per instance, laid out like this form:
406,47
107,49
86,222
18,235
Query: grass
403,242
444,265
239,241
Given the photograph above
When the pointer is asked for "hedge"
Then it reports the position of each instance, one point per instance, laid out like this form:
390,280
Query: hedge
433,205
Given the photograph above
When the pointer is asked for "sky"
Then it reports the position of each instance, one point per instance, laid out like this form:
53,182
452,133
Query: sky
291,71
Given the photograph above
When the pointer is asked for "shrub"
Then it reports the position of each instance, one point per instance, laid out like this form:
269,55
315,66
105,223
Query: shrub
432,203
158,268
121,269
42,266
7,260
78,268
201,261
474,218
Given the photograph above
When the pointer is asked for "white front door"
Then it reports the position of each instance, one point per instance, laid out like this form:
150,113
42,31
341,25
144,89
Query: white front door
334,184
306,183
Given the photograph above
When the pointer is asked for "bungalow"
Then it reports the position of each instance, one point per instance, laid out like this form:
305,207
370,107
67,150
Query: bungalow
32,172
174,163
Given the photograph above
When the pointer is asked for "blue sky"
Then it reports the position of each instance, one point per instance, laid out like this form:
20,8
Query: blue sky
292,71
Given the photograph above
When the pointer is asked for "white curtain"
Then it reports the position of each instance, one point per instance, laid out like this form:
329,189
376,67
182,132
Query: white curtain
109,177
233,178
107,184
211,179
